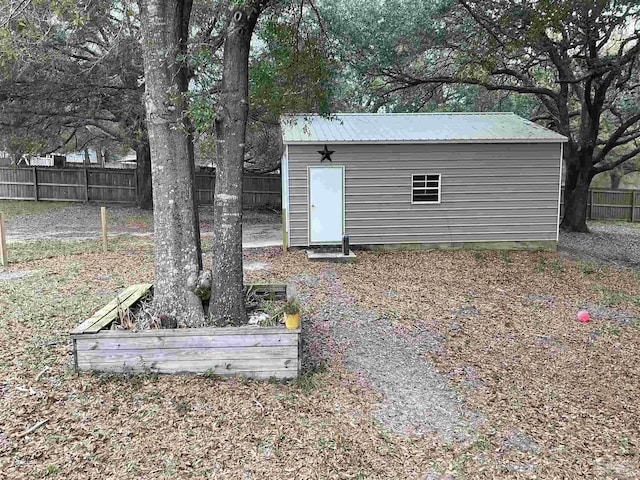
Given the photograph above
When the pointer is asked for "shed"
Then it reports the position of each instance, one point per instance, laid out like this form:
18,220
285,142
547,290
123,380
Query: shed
468,180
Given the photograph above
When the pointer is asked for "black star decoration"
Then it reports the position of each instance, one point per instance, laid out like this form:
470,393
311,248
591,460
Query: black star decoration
326,154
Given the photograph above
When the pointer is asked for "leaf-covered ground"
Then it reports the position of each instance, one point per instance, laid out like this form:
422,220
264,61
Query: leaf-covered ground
559,397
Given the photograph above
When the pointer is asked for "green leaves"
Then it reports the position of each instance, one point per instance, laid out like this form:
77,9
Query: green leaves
292,73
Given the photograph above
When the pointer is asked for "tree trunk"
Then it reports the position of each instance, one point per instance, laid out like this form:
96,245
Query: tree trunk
576,197
615,176
177,254
143,174
227,290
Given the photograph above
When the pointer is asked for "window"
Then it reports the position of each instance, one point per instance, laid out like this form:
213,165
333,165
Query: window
425,188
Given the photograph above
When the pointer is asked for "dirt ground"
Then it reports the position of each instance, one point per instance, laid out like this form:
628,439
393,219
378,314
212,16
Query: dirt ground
556,398
419,365
79,221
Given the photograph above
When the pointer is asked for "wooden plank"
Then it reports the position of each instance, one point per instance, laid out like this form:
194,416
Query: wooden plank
182,332
54,199
109,312
112,187
4,256
112,171
275,291
48,184
611,206
160,341
266,288
188,354
109,307
227,366
195,367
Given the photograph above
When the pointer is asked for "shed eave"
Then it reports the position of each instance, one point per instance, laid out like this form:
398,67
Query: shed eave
425,142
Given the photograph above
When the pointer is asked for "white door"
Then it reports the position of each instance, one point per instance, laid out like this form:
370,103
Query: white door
326,204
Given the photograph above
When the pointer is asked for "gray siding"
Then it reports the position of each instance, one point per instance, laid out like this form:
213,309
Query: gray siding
489,192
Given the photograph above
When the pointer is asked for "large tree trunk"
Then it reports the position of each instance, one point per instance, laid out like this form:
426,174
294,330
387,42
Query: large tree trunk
227,296
144,194
177,255
576,196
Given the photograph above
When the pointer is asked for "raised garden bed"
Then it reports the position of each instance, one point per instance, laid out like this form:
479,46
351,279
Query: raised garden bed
249,351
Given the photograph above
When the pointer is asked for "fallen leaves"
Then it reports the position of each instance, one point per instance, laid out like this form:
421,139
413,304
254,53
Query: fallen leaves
509,343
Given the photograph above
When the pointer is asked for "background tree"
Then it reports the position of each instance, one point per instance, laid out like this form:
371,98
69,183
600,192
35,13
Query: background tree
617,174
293,71
71,75
578,58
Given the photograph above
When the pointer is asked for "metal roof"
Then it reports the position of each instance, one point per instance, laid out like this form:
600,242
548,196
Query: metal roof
414,128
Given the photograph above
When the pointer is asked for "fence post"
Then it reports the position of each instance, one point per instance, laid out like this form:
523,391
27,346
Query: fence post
590,204
3,242
86,185
103,226
633,205
35,183
136,194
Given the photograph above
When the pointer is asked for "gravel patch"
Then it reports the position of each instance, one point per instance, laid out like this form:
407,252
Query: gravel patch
614,243
466,311
253,265
388,357
13,274
520,441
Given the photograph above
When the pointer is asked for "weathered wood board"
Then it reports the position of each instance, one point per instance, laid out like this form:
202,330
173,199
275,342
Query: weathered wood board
250,351
107,314
276,291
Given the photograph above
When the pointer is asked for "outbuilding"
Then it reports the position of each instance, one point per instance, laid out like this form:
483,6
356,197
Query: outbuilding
475,180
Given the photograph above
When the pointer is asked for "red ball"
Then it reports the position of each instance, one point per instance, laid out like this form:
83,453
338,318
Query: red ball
583,316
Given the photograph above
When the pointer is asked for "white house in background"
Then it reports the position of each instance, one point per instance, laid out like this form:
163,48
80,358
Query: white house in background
48,160
477,180
78,157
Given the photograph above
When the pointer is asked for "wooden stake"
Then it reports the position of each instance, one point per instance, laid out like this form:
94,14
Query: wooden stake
103,224
3,243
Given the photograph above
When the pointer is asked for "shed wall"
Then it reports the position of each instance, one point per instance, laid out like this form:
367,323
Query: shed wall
489,192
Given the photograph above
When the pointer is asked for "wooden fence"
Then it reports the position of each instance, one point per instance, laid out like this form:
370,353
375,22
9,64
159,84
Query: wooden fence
623,205
614,205
105,185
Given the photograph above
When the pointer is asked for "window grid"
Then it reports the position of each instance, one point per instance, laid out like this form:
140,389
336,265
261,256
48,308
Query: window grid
425,188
